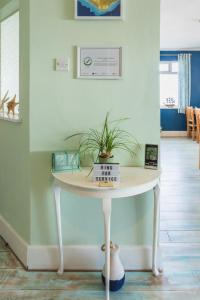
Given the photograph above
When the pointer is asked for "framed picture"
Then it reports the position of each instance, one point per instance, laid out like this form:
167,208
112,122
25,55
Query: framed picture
151,156
99,62
99,9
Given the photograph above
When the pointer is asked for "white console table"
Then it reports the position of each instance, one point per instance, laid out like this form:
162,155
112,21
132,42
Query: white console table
134,181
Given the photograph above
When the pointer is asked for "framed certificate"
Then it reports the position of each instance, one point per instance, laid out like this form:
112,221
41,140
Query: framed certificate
99,62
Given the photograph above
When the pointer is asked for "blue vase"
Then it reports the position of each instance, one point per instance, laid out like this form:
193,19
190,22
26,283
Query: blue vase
117,273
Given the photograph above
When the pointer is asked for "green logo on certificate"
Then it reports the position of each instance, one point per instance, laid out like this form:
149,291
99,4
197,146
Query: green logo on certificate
88,61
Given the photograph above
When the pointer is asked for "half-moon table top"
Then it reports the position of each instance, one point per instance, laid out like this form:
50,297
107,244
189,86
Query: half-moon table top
133,181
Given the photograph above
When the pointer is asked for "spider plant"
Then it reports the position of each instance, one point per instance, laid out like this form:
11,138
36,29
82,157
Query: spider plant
104,142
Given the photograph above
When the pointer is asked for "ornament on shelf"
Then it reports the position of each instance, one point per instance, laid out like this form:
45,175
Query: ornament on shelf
117,273
170,101
11,105
3,101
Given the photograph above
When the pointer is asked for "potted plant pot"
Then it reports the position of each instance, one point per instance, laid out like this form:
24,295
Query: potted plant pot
105,158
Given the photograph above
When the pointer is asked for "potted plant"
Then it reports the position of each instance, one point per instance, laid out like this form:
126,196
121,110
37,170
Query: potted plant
104,142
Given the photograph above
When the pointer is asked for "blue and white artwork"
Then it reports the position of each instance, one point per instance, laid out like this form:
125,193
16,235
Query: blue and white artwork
98,9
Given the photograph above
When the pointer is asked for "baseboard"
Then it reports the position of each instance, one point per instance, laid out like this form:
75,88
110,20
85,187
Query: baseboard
173,133
88,258
79,257
16,243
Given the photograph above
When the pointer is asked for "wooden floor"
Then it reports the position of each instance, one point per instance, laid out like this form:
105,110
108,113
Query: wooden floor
180,236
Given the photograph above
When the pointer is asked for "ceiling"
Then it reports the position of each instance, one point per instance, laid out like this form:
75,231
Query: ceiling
180,24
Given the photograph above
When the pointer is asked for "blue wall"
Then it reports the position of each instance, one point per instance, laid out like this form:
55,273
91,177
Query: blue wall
170,119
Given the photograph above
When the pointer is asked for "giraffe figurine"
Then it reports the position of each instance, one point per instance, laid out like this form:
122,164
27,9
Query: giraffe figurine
11,105
3,101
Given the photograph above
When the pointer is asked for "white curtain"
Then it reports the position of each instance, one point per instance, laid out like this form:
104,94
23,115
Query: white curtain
184,81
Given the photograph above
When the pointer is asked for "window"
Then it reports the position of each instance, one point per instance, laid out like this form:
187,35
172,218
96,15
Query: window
9,66
168,84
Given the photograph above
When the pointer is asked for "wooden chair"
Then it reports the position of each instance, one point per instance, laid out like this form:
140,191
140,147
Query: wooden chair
191,125
197,115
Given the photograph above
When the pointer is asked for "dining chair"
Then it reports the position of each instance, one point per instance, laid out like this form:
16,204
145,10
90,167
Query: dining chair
191,124
197,116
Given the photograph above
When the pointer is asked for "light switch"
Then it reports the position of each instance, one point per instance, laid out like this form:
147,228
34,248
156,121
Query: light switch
62,64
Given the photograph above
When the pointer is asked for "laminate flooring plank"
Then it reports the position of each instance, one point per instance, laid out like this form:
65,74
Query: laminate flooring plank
62,295
164,237
171,176
9,261
179,198
180,206
3,246
180,225
173,215
181,187
187,249
181,263
69,281
135,281
50,295
184,236
178,192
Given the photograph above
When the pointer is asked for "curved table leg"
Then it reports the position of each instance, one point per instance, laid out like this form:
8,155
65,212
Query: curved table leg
59,227
156,229
107,216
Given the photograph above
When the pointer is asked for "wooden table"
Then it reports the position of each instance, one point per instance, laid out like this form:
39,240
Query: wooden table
134,181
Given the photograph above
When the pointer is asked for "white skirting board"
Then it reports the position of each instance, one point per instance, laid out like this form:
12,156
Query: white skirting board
77,257
87,258
16,243
173,133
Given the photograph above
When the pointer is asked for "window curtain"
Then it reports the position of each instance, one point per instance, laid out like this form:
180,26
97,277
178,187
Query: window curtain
184,81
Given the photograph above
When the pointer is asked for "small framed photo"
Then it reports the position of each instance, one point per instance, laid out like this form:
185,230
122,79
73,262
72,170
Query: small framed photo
98,9
99,62
151,156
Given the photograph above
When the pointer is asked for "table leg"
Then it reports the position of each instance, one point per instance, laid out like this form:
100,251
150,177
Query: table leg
57,191
156,229
107,216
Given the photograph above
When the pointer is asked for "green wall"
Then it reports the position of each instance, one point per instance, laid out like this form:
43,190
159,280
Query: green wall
61,104
8,5
54,104
14,137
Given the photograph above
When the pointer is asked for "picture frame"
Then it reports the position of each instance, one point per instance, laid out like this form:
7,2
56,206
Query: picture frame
89,10
151,156
63,161
99,62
